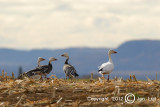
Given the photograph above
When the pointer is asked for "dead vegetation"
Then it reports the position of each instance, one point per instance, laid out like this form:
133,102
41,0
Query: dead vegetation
55,92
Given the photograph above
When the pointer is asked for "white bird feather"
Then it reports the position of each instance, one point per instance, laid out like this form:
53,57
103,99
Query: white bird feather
107,67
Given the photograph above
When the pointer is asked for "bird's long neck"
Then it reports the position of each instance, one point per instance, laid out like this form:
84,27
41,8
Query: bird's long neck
49,64
66,62
49,67
38,63
110,59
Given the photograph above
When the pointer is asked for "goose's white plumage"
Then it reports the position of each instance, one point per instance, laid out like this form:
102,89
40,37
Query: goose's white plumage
107,67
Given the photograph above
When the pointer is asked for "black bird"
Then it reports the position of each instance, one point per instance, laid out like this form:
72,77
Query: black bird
69,70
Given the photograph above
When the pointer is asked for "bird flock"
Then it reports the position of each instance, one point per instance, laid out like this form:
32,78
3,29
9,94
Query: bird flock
70,72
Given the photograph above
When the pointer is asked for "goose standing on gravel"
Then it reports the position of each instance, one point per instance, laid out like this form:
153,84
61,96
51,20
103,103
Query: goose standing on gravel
107,68
69,70
41,70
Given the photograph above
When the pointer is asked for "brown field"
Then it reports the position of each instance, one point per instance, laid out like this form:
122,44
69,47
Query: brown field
56,92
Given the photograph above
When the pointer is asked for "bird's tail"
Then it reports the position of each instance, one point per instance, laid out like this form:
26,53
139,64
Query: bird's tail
21,76
76,75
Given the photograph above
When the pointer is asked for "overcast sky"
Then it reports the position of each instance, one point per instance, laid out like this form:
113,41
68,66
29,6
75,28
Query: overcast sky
36,24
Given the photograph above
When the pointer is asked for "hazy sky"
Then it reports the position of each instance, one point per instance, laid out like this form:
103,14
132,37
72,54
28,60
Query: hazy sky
30,24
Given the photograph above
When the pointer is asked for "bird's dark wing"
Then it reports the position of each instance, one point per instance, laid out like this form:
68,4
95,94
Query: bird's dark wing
33,72
44,69
39,70
70,70
100,70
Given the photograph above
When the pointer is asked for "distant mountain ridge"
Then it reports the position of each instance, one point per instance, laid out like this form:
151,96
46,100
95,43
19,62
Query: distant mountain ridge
138,55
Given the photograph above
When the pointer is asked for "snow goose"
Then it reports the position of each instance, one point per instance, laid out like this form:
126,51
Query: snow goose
38,61
41,70
107,68
69,70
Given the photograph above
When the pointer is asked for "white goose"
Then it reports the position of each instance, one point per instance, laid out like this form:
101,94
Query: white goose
107,68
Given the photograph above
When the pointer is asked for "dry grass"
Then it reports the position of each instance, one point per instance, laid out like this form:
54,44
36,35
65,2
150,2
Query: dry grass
56,92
